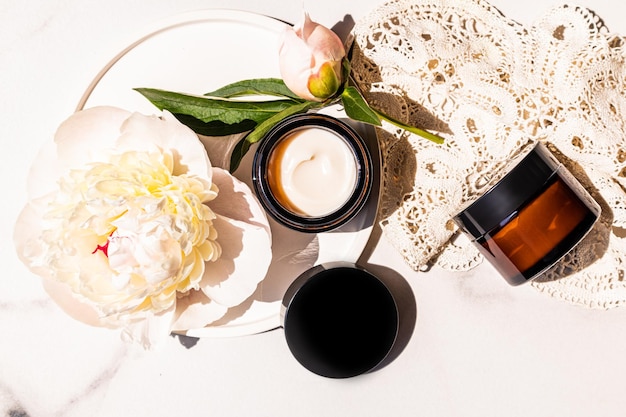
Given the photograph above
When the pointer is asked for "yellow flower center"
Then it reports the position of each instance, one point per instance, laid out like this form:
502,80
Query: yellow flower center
129,236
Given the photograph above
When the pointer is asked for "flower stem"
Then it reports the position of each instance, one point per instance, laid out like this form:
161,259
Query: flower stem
421,132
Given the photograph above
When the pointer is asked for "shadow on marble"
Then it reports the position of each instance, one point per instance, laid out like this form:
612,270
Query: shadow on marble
407,309
186,341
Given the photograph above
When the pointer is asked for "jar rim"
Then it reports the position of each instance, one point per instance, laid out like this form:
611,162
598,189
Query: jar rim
521,183
329,221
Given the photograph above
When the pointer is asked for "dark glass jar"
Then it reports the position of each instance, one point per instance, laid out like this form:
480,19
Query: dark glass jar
312,173
531,218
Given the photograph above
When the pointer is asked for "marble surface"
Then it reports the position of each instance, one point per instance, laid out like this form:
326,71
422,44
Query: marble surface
472,345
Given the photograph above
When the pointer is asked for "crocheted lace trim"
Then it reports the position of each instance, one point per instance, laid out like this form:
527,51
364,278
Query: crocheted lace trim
492,88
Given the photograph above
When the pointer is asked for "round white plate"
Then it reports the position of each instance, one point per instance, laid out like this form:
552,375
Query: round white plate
199,52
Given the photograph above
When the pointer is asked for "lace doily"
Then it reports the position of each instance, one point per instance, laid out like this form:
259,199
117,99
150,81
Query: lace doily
493,87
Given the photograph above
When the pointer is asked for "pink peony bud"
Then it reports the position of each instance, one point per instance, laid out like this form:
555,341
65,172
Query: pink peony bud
310,58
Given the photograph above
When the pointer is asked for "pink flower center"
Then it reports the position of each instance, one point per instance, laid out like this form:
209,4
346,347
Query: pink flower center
104,248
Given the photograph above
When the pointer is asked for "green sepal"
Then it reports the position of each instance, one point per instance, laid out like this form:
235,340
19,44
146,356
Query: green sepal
325,83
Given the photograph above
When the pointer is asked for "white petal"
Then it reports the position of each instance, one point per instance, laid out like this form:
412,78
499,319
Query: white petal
150,331
82,138
44,172
245,236
141,132
63,296
25,237
195,311
325,45
236,200
296,63
304,28
246,256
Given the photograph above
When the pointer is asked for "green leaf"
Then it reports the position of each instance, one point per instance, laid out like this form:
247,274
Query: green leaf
214,127
258,86
210,109
357,108
263,128
239,151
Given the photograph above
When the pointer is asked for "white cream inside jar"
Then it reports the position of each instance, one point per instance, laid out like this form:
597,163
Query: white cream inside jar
312,171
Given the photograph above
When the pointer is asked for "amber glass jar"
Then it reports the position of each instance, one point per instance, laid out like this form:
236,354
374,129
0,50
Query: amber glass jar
531,218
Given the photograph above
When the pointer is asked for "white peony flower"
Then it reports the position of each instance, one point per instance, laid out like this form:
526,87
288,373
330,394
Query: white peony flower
131,227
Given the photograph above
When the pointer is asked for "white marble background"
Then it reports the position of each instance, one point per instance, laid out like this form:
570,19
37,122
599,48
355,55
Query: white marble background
479,347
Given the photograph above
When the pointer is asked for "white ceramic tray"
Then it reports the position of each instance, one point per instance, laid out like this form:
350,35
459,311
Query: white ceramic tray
198,52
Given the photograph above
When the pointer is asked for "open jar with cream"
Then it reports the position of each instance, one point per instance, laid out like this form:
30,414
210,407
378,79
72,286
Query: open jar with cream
531,218
312,173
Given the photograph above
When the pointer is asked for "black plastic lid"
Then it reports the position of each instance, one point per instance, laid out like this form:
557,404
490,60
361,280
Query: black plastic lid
522,183
340,320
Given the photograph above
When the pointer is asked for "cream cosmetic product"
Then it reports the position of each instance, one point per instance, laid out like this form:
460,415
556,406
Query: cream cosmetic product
312,173
531,218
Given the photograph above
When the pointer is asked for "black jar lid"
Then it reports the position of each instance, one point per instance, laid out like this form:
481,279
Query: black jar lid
340,320
523,182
